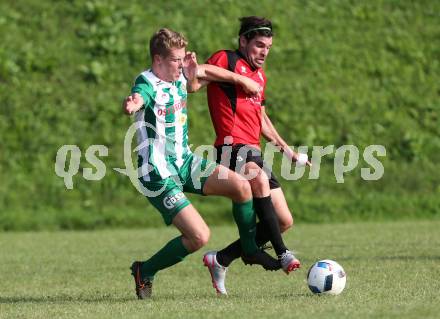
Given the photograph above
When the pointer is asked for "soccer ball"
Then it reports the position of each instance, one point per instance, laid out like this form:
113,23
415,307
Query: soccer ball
326,277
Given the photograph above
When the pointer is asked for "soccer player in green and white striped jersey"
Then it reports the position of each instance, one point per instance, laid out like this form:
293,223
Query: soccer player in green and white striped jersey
169,168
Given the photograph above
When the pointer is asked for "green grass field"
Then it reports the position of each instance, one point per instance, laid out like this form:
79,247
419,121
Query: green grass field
393,272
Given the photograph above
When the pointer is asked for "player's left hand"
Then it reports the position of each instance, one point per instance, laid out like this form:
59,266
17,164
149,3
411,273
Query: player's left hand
250,86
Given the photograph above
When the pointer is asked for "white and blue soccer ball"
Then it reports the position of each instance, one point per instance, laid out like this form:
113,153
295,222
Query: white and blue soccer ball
326,277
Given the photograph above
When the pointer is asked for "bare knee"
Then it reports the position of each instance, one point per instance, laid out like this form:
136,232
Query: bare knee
260,185
258,180
199,239
241,191
286,223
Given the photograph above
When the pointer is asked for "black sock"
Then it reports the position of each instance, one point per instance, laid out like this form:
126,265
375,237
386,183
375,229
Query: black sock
227,255
267,216
268,228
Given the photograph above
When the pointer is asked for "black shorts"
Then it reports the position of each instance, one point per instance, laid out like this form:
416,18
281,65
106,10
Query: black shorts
241,154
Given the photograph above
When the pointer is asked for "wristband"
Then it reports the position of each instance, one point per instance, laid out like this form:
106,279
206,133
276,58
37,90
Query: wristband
302,159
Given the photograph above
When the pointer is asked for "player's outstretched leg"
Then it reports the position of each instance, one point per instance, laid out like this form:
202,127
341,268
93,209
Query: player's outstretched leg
286,259
261,258
195,234
267,215
143,272
227,183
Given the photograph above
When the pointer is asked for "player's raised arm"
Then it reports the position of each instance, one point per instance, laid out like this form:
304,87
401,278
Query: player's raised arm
190,71
132,103
271,135
208,72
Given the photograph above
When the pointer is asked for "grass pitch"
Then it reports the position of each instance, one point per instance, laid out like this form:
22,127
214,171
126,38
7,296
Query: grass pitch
393,271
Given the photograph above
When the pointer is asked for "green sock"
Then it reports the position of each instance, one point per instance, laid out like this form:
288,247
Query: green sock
245,219
172,253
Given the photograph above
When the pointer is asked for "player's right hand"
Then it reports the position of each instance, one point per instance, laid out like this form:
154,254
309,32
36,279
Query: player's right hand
132,103
295,157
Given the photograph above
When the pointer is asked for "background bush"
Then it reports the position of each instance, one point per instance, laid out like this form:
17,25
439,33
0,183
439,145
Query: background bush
340,72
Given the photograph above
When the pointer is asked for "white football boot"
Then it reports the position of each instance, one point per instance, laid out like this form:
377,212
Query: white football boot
289,262
217,271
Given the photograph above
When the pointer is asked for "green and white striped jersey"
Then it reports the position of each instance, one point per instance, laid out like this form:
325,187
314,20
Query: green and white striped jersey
164,135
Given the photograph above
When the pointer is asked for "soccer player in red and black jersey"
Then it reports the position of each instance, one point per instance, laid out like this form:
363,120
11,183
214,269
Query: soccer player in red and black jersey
240,120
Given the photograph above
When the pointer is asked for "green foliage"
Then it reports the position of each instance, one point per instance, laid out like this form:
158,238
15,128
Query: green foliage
340,72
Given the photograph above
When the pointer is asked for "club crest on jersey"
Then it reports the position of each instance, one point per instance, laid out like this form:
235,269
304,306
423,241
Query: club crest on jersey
243,69
162,98
182,119
173,90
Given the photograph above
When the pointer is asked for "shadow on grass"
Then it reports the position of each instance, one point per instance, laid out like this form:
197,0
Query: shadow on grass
64,299
293,295
237,297
104,299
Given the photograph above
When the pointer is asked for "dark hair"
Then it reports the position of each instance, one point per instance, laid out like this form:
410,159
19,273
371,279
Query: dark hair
252,26
164,40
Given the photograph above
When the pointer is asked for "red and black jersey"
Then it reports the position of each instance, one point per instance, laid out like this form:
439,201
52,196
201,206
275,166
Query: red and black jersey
236,116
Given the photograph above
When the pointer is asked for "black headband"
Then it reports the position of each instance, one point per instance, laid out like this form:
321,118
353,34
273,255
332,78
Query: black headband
256,29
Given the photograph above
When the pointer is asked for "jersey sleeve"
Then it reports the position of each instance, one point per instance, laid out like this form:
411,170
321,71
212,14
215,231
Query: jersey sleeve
220,59
145,89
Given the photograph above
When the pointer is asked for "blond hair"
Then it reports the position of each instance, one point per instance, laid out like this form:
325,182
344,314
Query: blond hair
164,40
